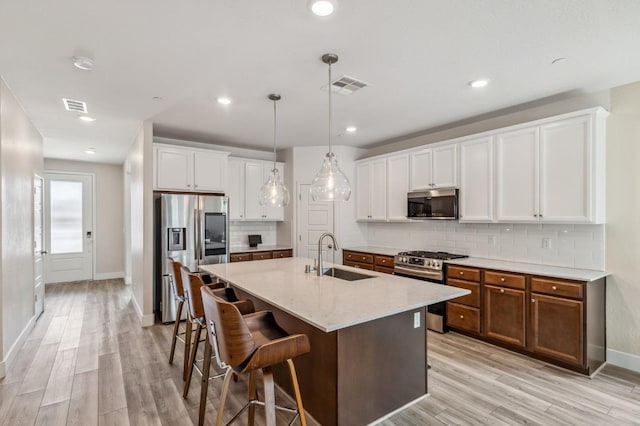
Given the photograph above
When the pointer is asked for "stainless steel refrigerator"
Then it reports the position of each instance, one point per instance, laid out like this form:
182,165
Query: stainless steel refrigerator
192,229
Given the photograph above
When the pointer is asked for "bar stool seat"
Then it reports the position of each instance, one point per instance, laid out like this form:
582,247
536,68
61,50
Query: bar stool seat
246,344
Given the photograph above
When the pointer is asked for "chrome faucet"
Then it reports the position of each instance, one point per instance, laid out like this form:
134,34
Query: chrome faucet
335,248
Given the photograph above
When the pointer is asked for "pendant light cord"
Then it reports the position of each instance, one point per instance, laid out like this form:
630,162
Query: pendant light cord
275,124
330,90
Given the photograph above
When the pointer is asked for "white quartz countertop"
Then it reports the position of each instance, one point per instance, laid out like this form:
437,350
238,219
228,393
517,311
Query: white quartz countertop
531,268
387,251
326,302
247,249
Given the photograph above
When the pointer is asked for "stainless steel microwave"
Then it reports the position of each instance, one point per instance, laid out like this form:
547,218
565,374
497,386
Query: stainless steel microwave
433,204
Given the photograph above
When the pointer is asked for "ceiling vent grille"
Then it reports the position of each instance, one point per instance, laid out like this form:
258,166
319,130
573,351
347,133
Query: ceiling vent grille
76,106
346,85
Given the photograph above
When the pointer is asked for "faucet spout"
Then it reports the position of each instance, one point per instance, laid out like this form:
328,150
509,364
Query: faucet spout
335,248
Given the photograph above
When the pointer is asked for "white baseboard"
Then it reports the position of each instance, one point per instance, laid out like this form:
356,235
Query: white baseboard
624,360
145,320
108,276
17,345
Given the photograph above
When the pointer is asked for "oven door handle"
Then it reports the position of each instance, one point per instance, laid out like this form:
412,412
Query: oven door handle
419,273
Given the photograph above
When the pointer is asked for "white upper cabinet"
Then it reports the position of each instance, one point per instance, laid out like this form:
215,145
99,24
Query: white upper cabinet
235,188
189,169
434,168
517,175
553,172
256,173
397,186
566,172
371,190
476,180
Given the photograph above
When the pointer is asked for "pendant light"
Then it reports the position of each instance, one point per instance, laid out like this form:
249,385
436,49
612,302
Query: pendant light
273,193
330,183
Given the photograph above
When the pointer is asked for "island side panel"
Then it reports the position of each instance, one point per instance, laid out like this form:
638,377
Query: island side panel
382,365
317,371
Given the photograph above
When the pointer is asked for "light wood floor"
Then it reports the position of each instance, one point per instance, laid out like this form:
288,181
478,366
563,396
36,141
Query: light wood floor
88,362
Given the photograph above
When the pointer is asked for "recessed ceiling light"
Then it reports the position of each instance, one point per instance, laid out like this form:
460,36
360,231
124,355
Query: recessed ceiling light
351,129
476,84
322,7
224,101
83,63
87,118
90,151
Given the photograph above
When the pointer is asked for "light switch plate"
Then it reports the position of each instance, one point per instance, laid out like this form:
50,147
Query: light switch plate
416,320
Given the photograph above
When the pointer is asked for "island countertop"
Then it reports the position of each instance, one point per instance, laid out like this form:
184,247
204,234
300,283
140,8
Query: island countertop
329,303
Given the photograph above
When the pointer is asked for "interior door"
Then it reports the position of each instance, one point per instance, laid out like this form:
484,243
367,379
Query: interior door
38,244
314,218
69,227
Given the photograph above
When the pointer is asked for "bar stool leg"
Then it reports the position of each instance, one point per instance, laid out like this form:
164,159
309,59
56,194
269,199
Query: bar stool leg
223,395
253,378
187,346
176,328
296,390
194,351
269,396
204,382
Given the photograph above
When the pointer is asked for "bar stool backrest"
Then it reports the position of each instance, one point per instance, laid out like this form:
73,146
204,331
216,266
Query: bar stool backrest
173,266
227,330
192,284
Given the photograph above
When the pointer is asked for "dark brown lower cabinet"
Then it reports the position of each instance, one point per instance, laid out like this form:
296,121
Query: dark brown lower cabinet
557,328
505,315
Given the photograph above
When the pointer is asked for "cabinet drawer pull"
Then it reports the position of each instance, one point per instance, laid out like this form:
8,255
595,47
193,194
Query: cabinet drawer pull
502,290
461,273
535,215
502,279
363,258
553,287
461,316
385,261
533,300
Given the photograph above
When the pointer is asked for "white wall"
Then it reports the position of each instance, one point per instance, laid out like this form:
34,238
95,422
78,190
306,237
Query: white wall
623,227
573,246
109,229
140,161
20,159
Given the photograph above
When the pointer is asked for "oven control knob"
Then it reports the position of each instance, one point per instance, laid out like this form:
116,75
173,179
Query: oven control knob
436,264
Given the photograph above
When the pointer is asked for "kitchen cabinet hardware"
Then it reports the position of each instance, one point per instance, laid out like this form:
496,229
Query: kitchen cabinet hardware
553,287
502,290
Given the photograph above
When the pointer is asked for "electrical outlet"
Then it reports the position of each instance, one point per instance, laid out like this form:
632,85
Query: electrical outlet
492,240
416,320
546,243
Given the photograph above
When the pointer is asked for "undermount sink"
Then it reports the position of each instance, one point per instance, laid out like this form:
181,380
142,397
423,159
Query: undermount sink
346,275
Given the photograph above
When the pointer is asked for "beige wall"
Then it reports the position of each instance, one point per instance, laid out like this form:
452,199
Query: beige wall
139,166
623,227
20,159
109,229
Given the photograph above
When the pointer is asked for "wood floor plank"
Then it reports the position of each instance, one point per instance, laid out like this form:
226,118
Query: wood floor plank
55,331
115,418
22,362
38,373
53,414
24,409
111,395
88,353
8,392
83,407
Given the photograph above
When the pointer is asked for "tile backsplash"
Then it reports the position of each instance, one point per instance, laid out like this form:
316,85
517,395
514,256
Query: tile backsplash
575,246
239,232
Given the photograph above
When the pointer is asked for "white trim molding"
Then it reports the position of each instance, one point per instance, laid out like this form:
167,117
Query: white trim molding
108,275
17,345
145,320
624,360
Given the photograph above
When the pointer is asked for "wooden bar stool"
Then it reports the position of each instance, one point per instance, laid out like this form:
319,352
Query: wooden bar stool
175,277
246,344
192,283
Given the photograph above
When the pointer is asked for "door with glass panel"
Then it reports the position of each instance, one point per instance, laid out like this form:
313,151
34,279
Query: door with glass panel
68,227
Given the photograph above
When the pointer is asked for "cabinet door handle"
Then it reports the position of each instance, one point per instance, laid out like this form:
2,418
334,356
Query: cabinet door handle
553,287
461,316
502,290
540,215
188,185
533,300
535,215
240,215
195,186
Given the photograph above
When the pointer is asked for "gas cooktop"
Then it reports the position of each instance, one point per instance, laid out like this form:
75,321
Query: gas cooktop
439,255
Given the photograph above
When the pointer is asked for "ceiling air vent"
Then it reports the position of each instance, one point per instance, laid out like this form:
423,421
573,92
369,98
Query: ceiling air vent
76,106
346,85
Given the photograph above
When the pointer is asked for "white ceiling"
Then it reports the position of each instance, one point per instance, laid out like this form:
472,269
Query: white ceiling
417,56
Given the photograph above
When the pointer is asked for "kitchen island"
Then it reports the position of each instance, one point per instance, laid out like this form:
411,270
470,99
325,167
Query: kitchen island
368,337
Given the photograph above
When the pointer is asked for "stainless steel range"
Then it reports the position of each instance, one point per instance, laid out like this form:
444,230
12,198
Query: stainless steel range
427,266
